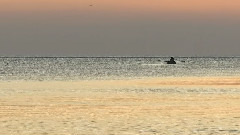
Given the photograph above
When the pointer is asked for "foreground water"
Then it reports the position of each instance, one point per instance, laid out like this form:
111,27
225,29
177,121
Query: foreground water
121,96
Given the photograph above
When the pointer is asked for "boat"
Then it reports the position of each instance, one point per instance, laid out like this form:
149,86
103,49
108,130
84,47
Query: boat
171,61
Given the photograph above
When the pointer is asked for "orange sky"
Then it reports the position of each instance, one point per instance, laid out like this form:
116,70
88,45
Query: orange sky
144,27
215,7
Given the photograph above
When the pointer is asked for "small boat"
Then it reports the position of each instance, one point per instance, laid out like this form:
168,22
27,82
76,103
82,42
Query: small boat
171,61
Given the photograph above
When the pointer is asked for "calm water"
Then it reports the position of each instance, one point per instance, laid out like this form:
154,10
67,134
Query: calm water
114,68
106,104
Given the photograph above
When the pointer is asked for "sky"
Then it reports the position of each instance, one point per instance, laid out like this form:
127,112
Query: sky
119,28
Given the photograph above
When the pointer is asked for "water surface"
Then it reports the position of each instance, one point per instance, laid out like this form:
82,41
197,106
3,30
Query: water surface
119,96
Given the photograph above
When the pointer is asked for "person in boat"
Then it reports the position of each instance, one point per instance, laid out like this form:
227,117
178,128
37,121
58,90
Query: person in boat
171,61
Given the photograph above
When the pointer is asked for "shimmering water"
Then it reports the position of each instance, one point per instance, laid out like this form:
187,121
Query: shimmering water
114,68
119,96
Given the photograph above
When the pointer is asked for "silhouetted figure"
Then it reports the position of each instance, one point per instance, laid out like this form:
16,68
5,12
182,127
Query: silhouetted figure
171,61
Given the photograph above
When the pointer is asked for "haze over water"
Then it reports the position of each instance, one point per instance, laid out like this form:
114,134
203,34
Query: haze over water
120,95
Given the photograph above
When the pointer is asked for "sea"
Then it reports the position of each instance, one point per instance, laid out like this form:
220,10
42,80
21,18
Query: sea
119,96
75,68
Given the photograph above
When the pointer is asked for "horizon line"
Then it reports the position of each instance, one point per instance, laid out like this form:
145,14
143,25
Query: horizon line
118,56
